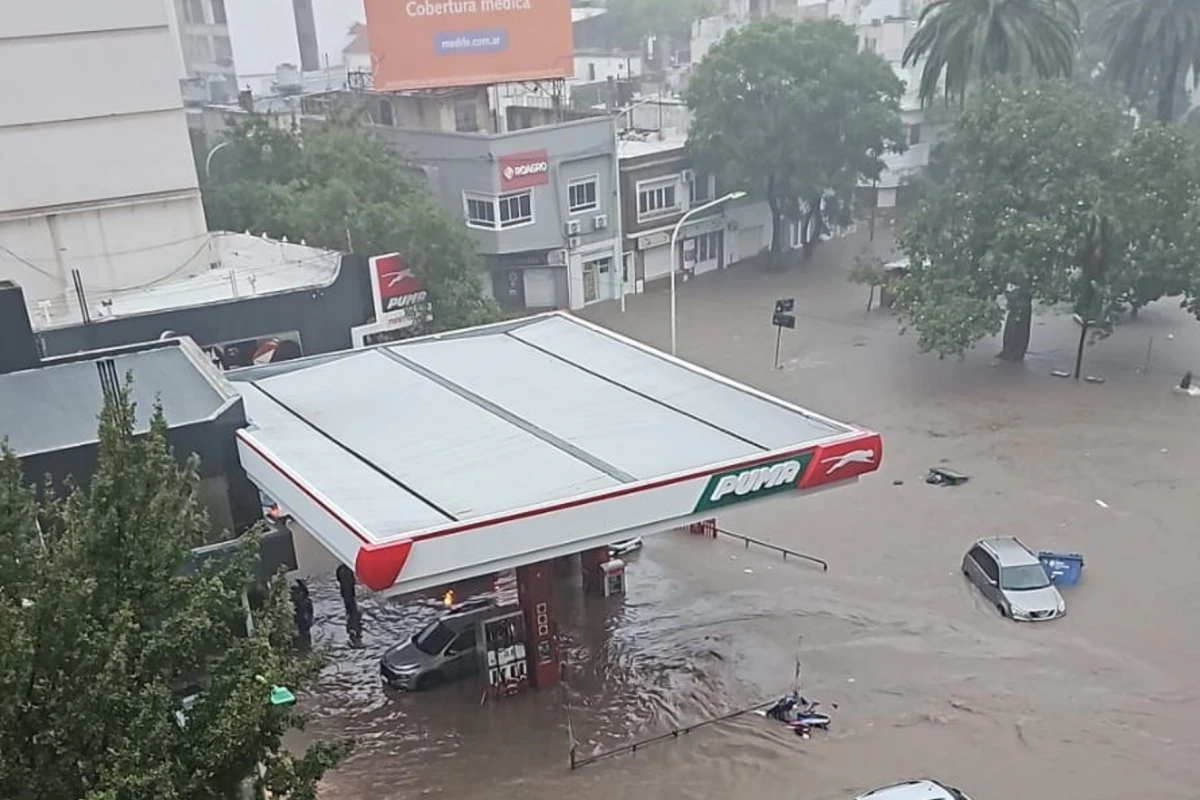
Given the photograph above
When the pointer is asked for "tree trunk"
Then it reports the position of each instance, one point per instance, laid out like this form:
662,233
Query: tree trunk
1017,327
1166,92
810,232
776,259
773,259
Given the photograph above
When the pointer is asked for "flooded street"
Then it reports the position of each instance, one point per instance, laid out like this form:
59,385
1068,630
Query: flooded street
927,678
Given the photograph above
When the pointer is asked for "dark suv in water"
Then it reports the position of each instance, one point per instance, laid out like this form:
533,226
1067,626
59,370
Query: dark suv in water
444,650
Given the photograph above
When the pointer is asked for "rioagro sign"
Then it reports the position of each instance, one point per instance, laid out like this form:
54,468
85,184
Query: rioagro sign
751,483
523,170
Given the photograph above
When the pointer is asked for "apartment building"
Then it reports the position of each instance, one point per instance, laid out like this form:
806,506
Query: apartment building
539,202
98,189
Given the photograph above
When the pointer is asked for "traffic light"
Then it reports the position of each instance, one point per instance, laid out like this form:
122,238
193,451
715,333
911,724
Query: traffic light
783,318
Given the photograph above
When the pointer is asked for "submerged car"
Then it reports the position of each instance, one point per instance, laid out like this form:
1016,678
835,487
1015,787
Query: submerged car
442,651
915,790
1011,576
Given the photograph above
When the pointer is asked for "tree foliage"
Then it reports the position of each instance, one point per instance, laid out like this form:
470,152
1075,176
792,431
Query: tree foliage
628,22
995,235
104,632
961,42
341,188
1046,199
793,111
1151,46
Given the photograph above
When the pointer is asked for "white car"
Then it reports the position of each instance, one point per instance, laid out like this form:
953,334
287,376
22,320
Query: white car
915,790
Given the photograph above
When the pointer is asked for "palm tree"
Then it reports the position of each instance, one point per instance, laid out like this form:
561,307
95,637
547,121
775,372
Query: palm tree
967,40
1152,44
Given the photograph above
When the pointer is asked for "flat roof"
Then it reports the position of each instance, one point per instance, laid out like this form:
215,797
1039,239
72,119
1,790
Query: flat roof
406,437
57,405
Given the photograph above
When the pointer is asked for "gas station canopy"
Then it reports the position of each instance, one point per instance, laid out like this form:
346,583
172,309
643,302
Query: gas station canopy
440,458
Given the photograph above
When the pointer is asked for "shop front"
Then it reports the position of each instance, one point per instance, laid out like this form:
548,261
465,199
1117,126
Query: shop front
699,248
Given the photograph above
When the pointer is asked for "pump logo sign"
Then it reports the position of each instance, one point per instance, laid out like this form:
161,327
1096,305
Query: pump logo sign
398,294
751,483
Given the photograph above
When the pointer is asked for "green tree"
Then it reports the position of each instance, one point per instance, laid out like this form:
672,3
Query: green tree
962,42
1151,46
1153,202
629,22
104,632
793,111
1025,174
341,187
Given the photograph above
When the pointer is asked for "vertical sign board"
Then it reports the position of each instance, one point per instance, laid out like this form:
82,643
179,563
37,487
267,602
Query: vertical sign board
433,44
400,298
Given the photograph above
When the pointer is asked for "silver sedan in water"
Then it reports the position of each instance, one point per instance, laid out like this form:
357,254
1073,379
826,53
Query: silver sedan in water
1011,576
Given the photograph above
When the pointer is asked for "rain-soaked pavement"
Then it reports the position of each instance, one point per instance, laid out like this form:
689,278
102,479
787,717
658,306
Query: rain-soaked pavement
927,679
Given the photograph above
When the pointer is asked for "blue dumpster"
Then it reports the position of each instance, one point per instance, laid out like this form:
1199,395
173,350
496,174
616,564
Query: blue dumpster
1064,569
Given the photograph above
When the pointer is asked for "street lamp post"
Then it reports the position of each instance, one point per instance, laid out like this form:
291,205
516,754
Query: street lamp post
208,159
675,235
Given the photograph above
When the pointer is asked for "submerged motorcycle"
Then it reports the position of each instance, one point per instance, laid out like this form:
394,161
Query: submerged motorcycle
798,713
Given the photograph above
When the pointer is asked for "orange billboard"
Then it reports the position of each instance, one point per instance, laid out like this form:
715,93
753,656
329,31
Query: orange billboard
432,44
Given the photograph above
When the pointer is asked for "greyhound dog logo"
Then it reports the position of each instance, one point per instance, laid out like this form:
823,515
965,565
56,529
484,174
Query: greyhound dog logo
846,459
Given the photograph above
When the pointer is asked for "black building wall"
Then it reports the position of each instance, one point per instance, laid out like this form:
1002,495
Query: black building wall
323,317
231,500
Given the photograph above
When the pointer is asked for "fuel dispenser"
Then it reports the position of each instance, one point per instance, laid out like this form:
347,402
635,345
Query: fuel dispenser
505,663
614,577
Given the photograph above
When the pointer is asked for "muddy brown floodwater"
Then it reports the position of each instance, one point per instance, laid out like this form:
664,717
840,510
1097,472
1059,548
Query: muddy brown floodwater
929,681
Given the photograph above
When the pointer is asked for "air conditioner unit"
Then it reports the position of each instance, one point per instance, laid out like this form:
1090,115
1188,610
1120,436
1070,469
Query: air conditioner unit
574,242
733,225
688,175
556,258
600,222
572,227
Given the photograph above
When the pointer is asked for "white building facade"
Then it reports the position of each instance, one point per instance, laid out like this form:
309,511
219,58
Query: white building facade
97,180
203,30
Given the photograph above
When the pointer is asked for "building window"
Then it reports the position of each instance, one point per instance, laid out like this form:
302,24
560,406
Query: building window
657,199
493,213
700,249
869,44
914,134
592,72
218,12
466,117
223,49
481,211
516,209
197,48
581,195
702,188
193,12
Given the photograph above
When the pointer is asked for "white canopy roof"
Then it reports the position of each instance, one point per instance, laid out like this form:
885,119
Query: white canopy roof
465,431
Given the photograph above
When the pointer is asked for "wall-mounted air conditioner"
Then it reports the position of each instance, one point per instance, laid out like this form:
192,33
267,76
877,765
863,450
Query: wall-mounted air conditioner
572,227
600,222
688,175
556,258
573,242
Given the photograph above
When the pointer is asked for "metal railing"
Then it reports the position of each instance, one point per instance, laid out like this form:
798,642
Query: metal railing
749,540
578,761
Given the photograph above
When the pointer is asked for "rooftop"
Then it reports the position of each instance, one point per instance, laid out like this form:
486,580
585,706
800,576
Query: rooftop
638,145
56,406
566,407
241,266
580,14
